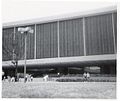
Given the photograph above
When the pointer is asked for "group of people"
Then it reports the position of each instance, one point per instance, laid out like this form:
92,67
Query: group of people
86,76
9,79
28,78
13,79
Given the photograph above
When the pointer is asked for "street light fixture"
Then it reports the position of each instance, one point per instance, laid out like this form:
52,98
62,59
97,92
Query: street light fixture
25,31
15,58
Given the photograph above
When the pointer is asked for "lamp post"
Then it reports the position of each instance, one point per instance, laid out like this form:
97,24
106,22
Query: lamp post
25,31
15,59
15,62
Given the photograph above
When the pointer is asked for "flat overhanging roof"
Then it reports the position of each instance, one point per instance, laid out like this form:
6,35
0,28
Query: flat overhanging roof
61,17
64,61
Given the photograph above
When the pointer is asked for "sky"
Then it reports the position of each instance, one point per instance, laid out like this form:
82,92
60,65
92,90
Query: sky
17,10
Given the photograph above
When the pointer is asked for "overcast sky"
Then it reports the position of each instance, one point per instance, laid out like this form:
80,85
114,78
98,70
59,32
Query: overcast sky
16,10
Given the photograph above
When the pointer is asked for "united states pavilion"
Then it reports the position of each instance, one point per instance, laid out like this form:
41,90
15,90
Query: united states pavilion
66,44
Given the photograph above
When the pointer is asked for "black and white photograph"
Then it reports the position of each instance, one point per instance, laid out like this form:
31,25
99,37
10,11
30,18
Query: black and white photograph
59,49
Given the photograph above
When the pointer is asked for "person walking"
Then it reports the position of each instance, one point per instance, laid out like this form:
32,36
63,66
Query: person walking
31,78
88,76
25,79
85,76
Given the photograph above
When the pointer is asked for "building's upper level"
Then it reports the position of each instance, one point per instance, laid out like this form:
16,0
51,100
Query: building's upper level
78,34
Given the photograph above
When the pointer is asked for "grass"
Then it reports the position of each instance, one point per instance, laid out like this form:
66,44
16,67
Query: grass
101,90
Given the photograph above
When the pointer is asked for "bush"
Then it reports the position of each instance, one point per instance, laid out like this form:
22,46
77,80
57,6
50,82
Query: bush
64,79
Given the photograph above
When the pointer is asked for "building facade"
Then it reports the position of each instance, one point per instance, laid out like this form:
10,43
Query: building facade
75,43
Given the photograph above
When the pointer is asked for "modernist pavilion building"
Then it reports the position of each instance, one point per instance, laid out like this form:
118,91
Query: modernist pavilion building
71,43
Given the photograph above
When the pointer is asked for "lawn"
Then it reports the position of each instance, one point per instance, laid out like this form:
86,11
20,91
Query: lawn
101,90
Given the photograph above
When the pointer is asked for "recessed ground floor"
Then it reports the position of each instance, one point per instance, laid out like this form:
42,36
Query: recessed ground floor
64,70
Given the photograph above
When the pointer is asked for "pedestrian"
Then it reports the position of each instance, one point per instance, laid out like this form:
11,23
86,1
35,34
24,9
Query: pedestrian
88,76
13,79
9,78
85,76
3,74
25,79
31,78
4,78
58,74
45,78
